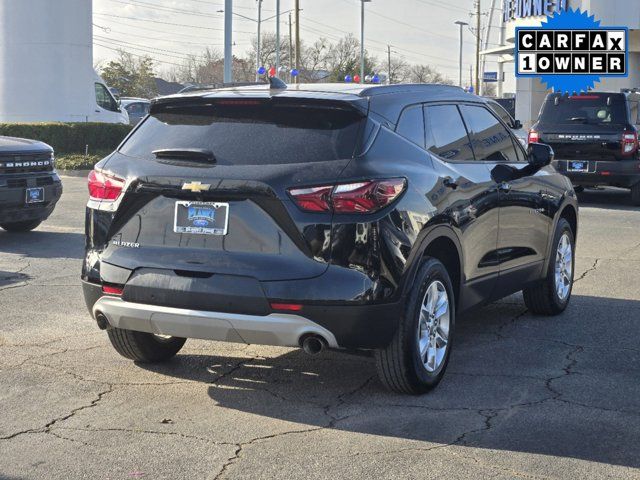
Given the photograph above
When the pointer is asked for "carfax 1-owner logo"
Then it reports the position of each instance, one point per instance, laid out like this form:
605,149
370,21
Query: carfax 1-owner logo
571,51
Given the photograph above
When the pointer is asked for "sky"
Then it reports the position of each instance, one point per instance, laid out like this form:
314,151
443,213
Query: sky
420,31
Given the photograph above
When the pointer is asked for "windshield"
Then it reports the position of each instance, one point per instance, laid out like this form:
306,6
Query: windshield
585,110
251,133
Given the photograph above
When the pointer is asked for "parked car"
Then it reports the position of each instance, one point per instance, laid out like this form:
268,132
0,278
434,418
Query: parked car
343,216
137,108
595,137
29,184
515,125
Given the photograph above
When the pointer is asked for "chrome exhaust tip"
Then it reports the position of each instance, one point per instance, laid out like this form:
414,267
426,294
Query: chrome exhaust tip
313,344
102,321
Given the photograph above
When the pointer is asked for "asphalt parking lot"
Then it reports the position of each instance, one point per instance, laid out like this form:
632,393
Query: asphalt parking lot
524,396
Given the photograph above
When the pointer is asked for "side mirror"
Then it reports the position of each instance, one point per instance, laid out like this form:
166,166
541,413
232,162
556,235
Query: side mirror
517,125
540,155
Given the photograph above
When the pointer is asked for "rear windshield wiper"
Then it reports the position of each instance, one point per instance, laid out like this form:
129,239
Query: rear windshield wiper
186,154
579,119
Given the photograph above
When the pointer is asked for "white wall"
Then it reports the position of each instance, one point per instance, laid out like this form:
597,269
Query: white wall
46,60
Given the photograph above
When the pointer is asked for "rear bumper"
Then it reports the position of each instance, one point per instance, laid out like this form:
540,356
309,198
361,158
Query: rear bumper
13,193
623,173
275,329
344,324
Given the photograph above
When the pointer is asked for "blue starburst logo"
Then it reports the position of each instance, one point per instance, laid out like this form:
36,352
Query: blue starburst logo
570,80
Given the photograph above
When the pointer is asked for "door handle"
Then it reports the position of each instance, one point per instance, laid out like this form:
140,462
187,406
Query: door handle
450,183
504,187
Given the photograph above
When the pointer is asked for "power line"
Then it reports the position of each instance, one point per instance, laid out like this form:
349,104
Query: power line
154,30
137,55
138,3
143,48
167,23
381,43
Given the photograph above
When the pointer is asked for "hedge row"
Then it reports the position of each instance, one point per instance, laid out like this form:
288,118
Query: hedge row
70,137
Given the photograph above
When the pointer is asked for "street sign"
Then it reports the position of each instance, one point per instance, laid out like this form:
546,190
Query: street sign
491,77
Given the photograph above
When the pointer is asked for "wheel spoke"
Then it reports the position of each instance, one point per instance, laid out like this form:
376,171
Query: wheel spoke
442,306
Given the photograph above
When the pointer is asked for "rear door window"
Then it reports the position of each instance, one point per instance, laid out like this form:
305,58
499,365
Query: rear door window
411,125
251,133
491,141
446,133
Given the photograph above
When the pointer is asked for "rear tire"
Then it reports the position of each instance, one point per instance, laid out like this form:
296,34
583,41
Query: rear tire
635,194
17,227
552,295
416,359
144,347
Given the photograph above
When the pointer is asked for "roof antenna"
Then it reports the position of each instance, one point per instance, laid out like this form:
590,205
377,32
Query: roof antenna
276,84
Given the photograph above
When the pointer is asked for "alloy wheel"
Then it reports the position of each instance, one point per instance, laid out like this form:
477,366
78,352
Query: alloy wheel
433,326
564,267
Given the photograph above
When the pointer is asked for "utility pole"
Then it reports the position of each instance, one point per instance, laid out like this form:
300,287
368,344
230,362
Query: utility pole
228,41
362,2
487,37
297,11
290,46
461,25
278,38
478,40
259,40
389,81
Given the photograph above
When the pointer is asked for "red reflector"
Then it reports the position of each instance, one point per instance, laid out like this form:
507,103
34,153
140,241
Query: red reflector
534,137
104,187
606,174
111,290
289,307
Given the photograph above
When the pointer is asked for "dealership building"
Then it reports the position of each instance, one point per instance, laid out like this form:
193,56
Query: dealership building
530,92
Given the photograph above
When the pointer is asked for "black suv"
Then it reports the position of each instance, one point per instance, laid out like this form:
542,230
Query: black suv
342,216
29,185
595,138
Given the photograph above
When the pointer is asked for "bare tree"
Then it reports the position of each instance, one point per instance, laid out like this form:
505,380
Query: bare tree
314,60
427,74
399,72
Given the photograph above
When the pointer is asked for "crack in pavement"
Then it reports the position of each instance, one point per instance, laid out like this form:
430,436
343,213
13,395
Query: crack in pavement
333,420
593,268
47,427
148,432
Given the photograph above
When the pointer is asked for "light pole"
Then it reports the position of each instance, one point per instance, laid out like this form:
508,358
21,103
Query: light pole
462,25
362,2
259,22
259,40
228,41
278,38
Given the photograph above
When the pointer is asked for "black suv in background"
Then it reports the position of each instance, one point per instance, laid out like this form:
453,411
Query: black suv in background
595,138
29,185
343,216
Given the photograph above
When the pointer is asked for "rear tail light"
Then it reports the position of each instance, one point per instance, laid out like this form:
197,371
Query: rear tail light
534,137
104,187
361,197
629,143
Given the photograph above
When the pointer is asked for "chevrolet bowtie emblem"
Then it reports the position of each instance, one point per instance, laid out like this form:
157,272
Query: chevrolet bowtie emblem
196,187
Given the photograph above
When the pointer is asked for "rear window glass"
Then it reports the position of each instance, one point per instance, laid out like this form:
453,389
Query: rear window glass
586,109
241,134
